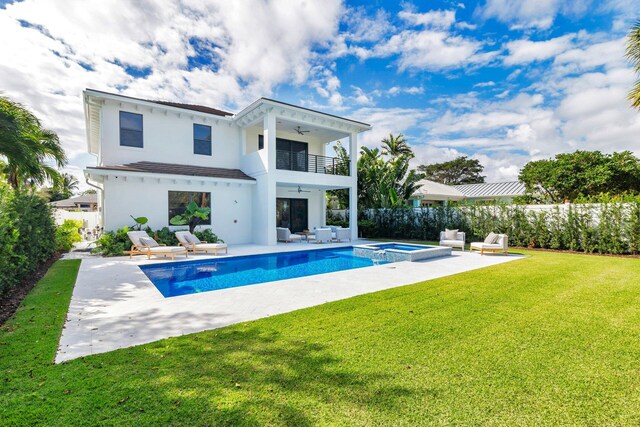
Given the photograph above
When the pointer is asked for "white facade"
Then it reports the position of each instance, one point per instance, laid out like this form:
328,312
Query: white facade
247,182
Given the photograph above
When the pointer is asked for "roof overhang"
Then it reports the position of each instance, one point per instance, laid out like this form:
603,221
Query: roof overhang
101,174
259,108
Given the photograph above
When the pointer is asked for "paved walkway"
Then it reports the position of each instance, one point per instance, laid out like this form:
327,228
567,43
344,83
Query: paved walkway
114,305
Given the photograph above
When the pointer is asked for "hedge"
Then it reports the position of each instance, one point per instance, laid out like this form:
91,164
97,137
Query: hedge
610,227
27,236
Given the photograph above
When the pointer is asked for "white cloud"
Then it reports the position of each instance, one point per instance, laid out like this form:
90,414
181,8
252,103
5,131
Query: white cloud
525,51
440,19
538,14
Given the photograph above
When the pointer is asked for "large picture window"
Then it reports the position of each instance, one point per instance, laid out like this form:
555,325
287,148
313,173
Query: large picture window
178,201
202,139
130,129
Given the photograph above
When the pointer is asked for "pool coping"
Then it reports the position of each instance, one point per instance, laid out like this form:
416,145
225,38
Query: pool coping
114,305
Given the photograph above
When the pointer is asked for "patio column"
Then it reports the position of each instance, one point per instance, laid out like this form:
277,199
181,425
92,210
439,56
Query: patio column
269,198
353,190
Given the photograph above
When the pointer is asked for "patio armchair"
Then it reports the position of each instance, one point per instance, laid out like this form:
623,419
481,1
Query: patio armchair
285,235
323,235
343,234
193,244
142,244
493,243
452,239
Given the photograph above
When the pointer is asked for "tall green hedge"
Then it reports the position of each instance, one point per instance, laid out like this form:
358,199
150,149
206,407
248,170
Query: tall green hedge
27,236
608,227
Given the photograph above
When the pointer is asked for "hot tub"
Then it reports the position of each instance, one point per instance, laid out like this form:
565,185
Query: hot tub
395,252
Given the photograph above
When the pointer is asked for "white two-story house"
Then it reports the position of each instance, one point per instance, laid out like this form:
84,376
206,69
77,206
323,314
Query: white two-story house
269,165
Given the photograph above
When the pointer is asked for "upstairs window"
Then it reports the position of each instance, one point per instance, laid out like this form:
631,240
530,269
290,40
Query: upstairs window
260,142
130,129
202,139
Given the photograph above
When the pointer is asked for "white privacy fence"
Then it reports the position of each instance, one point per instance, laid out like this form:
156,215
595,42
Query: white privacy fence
89,219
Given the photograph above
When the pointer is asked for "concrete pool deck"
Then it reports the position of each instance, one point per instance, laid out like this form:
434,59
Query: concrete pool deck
114,305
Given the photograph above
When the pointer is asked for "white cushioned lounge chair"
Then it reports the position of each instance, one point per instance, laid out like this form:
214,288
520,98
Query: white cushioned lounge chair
285,235
193,244
452,239
493,243
142,244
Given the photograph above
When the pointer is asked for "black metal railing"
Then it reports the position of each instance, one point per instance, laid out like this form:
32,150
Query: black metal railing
303,162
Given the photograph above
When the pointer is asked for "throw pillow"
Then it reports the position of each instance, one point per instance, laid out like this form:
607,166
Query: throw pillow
451,234
148,241
491,238
193,239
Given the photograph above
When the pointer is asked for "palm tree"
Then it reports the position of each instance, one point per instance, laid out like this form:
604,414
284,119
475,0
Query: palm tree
633,54
68,183
396,146
28,147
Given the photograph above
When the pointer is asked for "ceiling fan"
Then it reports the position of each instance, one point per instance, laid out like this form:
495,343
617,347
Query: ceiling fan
300,131
299,190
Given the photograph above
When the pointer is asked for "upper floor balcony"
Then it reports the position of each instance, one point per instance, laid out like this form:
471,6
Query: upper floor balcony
301,161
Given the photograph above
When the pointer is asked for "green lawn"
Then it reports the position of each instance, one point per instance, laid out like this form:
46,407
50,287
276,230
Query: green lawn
551,339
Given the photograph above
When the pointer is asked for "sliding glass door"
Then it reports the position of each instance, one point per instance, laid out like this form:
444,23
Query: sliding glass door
291,155
292,214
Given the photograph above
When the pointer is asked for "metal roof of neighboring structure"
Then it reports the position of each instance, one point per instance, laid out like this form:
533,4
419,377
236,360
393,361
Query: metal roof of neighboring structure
175,169
491,189
73,201
432,190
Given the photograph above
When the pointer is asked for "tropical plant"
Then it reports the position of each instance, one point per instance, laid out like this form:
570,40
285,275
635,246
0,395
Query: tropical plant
139,222
633,54
396,146
192,216
67,234
28,147
461,170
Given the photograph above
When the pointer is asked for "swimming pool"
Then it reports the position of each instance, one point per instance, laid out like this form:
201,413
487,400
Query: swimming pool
189,277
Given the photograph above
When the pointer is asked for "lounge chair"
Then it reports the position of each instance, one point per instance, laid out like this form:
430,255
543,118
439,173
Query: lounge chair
452,239
142,244
193,244
285,235
493,243
322,235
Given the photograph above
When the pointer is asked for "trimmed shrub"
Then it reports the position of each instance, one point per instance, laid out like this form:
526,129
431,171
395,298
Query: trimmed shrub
67,234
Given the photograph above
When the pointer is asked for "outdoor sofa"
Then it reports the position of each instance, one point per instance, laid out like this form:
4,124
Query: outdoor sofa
493,243
452,239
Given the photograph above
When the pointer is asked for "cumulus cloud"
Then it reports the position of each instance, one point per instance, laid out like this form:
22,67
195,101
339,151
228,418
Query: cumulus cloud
538,14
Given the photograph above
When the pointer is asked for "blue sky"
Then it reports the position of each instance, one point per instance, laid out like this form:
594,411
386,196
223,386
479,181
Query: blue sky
503,81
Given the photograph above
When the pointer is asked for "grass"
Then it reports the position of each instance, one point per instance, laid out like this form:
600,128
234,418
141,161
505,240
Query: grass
549,340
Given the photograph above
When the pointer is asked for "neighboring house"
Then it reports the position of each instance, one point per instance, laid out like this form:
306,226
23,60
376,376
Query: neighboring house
433,193
84,203
492,191
263,167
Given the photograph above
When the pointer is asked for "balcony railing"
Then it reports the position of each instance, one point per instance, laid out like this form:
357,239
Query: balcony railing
302,162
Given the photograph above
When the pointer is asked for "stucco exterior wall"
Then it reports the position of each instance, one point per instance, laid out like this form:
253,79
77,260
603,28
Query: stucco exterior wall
231,205
168,138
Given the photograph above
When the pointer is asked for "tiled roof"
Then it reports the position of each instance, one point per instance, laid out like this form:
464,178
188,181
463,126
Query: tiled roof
491,189
174,169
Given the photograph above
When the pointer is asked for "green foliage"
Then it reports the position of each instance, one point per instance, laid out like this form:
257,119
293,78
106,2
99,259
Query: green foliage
208,236
163,236
633,54
27,235
192,216
139,222
461,170
583,173
67,234
113,243
605,225
28,147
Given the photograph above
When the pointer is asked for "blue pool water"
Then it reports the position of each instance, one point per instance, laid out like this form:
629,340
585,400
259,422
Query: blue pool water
188,277
401,247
